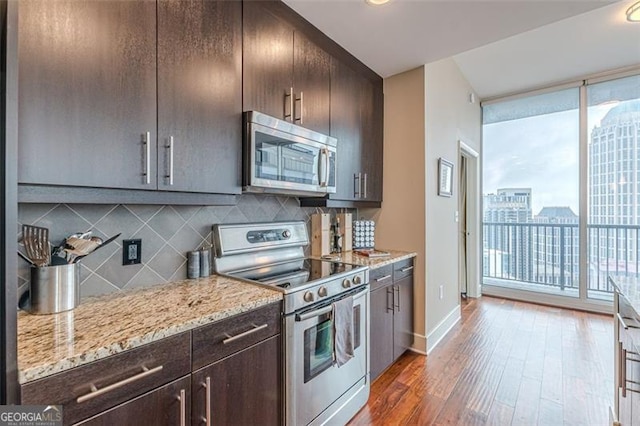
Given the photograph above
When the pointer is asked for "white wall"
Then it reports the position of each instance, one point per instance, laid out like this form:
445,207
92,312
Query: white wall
427,111
449,117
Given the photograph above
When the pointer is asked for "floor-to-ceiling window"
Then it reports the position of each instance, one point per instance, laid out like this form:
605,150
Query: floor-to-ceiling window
561,192
613,127
531,192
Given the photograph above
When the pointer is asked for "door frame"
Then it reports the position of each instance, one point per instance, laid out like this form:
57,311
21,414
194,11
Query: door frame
474,227
9,201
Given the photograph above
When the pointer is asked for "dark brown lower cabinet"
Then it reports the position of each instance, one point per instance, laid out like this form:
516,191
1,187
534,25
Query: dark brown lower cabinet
168,405
391,315
402,316
241,389
381,330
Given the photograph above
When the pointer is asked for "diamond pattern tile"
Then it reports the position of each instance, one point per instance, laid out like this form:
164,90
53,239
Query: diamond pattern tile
167,262
166,222
167,233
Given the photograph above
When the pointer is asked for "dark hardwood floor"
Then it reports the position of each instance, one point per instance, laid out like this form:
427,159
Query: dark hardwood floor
505,363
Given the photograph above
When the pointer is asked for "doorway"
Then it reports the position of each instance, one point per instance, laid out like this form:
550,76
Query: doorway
468,222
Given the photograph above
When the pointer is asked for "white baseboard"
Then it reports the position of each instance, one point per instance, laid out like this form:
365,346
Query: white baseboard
419,344
443,328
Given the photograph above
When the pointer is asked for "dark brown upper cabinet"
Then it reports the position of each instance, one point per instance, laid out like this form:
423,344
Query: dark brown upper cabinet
285,74
97,78
199,95
87,93
356,121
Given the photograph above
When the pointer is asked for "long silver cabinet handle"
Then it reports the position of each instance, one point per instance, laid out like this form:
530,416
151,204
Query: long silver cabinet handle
170,148
255,329
95,392
147,157
623,323
183,407
357,177
383,278
365,185
623,372
207,404
407,269
301,99
290,113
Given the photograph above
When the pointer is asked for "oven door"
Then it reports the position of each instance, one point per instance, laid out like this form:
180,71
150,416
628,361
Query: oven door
278,161
313,382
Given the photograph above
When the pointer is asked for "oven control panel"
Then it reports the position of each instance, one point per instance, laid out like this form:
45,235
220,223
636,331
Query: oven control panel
326,290
281,234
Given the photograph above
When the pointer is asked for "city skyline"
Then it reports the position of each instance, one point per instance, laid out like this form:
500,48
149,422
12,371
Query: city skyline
548,165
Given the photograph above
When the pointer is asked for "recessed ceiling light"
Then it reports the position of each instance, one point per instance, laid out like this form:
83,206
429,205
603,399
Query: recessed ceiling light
376,2
633,13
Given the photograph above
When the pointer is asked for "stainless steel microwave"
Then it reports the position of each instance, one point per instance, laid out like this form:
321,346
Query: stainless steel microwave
283,158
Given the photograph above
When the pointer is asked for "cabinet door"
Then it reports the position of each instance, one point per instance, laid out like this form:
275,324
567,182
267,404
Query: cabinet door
169,405
403,316
244,387
199,95
381,352
311,84
346,127
267,56
87,93
371,115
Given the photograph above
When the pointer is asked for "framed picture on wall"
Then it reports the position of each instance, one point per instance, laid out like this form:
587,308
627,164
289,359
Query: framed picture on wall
445,177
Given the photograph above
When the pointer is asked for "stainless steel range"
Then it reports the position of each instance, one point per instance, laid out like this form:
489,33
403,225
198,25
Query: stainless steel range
317,391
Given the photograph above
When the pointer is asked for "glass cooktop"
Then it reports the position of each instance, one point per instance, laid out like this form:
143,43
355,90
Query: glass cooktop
295,273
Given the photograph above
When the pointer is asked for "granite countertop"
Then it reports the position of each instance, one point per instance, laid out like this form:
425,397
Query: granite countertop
106,325
372,262
629,287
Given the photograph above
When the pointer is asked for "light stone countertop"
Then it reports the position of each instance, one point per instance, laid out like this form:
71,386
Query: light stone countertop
372,262
106,325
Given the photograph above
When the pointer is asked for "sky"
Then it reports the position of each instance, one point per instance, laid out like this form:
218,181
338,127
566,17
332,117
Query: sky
539,152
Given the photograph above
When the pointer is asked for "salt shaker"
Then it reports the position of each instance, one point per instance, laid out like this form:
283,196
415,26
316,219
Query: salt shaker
193,264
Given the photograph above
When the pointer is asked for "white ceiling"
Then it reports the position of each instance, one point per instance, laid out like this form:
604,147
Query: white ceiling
508,45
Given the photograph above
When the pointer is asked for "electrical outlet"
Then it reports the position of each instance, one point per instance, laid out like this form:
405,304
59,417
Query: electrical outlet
441,292
131,252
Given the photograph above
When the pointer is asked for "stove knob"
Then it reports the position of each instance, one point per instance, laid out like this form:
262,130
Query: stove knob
346,283
357,280
322,292
286,234
308,297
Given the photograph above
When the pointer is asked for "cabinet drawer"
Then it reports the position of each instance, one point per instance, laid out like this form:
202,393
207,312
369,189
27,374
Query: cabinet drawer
223,338
116,379
402,269
381,277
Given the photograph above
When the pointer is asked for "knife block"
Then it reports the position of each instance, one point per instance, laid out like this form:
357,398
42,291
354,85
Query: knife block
320,234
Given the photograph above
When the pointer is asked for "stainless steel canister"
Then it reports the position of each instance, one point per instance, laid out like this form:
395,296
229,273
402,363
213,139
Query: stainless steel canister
54,289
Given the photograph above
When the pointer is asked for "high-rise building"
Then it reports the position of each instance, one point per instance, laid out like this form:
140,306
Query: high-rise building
556,247
614,193
506,247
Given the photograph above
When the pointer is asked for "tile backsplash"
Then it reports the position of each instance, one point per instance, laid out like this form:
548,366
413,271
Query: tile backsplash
167,233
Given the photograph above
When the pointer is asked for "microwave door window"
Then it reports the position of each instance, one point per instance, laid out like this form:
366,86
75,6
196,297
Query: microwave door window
267,157
299,163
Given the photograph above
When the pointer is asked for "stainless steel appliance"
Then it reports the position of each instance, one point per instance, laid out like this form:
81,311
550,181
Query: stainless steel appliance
282,157
272,254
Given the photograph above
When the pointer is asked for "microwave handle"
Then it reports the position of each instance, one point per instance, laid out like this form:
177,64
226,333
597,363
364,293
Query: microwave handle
324,167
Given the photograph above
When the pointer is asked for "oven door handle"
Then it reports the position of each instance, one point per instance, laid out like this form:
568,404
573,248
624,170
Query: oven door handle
326,309
313,314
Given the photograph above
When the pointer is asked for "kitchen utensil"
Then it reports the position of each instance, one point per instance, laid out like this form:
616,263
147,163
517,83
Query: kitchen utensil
78,247
54,289
36,243
77,259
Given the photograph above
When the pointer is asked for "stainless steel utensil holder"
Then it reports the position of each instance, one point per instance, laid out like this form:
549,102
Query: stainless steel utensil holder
54,289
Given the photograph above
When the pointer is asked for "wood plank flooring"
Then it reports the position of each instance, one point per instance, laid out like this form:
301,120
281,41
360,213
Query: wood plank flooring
505,363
